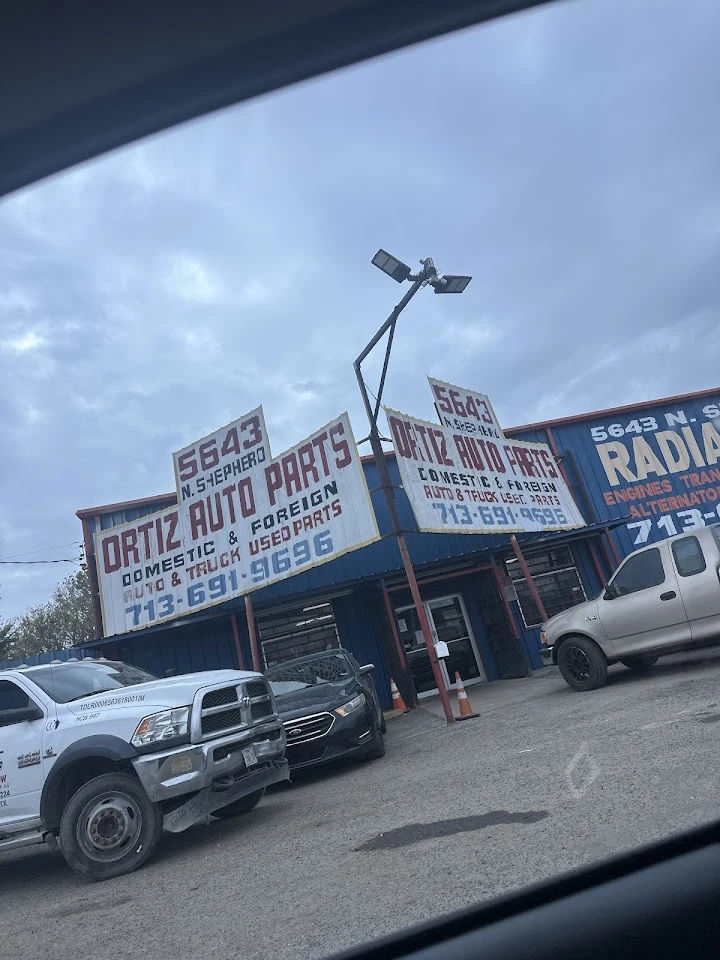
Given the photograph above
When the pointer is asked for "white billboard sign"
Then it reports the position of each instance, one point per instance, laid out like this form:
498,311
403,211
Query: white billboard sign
465,476
243,521
142,572
465,411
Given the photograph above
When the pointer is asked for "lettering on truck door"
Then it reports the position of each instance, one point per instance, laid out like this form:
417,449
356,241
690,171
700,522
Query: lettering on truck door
643,607
21,743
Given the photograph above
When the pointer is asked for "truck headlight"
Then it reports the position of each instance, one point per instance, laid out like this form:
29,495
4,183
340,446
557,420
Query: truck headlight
351,705
158,727
543,638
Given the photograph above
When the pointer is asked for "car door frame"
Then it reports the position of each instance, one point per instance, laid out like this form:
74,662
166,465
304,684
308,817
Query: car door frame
614,609
15,759
701,590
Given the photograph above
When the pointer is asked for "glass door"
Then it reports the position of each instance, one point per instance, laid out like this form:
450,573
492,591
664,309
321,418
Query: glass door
449,622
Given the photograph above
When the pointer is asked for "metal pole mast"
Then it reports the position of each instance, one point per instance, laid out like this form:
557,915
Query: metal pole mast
386,481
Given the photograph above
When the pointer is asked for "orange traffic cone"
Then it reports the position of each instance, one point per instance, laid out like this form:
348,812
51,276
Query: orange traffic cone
397,701
466,711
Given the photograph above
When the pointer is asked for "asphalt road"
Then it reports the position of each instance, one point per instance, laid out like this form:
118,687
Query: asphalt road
544,781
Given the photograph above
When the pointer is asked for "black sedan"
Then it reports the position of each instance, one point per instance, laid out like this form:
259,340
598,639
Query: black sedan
330,708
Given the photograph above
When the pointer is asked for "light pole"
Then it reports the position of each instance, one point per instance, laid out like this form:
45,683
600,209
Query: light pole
427,275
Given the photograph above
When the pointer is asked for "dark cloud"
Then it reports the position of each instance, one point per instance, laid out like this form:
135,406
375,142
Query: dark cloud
567,158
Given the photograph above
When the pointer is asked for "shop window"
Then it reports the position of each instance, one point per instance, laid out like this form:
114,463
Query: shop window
297,633
557,581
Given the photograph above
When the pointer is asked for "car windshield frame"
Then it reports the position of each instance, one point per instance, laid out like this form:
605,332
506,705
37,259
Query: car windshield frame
61,682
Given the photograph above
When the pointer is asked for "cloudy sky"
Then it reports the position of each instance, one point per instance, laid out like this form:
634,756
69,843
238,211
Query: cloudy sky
567,158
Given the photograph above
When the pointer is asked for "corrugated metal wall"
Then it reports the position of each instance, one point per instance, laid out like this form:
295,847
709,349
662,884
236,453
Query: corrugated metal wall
465,587
68,654
660,464
362,628
591,584
207,645
369,563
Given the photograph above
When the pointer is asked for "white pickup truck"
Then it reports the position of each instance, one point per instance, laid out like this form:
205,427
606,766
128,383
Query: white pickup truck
100,756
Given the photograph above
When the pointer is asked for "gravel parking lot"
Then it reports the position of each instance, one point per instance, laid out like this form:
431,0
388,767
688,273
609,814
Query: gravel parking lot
543,781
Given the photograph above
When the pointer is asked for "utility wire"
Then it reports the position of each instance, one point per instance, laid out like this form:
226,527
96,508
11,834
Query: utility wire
66,560
59,546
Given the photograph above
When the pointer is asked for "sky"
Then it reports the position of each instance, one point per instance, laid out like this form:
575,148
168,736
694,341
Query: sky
567,158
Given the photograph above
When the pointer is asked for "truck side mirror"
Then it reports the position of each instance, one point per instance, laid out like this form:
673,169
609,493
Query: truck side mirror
610,592
20,715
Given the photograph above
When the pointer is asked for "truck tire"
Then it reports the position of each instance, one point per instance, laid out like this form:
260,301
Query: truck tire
640,664
238,807
109,827
582,663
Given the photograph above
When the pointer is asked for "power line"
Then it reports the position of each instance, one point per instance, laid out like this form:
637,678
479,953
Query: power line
15,556
20,562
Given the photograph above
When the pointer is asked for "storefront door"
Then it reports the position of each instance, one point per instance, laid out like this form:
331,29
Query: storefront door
449,622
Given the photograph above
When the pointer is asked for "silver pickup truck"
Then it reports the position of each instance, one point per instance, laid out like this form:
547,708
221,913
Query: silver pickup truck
663,598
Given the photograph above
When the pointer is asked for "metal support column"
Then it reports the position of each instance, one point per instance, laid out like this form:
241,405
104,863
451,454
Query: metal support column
256,661
387,486
236,638
519,641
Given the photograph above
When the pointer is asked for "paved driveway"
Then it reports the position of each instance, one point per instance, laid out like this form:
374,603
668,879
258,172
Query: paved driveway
545,780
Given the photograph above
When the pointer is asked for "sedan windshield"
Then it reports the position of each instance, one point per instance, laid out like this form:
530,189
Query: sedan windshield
77,680
290,677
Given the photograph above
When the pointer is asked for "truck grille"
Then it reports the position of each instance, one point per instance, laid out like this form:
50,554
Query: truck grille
263,708
308,728
216,698
232,708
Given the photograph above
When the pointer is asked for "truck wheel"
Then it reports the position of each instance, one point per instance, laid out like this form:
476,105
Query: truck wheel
640,664
109,827
582,663
243,805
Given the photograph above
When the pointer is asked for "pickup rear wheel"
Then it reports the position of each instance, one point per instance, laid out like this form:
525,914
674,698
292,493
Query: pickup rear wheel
243,805
582,663
109,827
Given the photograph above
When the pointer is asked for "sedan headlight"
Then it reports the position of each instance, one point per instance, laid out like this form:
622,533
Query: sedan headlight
167,725
351,705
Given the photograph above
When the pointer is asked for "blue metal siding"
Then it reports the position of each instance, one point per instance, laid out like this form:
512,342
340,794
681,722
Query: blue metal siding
207,645
370,562
34,661
591,584
115,517
465,586
680,491
383,557
361,625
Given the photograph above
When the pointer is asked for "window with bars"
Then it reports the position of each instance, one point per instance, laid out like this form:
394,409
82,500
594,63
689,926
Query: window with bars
297,633
557,581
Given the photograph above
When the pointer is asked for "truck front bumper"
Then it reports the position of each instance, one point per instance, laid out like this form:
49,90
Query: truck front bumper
207,801
546,654
213,764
